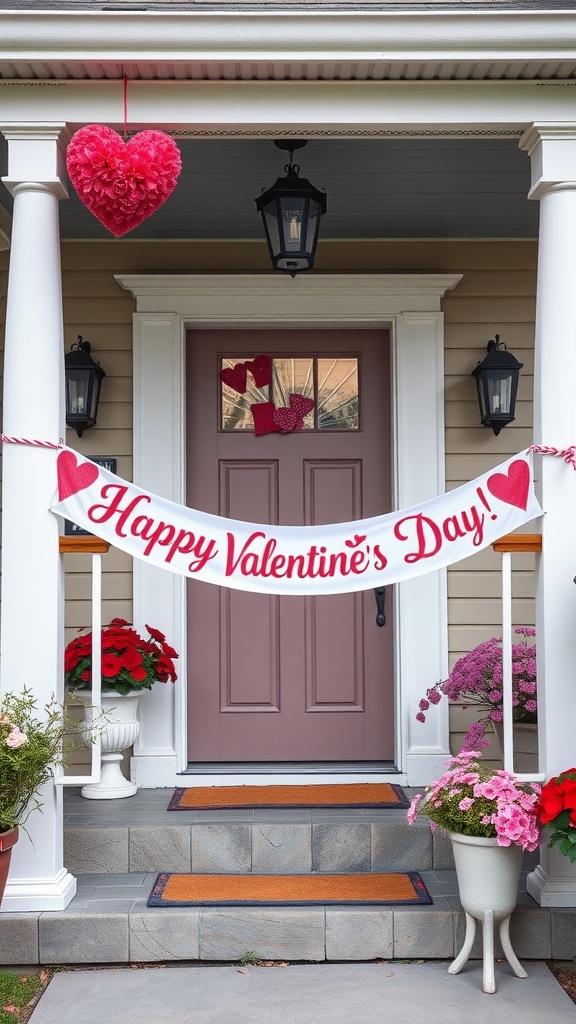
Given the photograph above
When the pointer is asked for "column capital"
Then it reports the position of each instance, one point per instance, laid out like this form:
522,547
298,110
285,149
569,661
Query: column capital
36,155
551,147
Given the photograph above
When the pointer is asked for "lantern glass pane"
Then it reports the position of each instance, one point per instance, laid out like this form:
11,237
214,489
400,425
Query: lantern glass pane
313,225
499,392
293,221
78,392
271,225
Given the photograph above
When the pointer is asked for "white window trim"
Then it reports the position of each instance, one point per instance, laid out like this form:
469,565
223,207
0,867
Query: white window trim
408,304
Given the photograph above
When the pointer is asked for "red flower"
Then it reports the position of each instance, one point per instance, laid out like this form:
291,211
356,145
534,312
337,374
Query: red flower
156,634
119,622
131,658
71,659
169,651
111,665
86,675
139,674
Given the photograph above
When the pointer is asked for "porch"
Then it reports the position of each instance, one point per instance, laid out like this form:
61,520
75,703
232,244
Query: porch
116,849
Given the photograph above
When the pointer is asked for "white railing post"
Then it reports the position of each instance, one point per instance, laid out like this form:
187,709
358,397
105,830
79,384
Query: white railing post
90,544
506,545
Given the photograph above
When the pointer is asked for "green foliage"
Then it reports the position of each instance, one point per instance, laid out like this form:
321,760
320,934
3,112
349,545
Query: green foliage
30,749
249,957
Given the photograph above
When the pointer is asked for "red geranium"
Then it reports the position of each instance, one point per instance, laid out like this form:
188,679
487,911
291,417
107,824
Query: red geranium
129,661
557,808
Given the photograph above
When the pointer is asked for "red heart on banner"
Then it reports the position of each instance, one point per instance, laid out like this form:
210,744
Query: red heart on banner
287,420
261,370
235,377
73,477
512,487
122,183
301,405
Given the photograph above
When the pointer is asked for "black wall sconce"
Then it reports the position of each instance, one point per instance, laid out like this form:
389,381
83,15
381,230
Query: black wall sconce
291,212
83,380
497,383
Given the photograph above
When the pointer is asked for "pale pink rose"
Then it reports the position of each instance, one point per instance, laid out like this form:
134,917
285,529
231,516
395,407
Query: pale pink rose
16,738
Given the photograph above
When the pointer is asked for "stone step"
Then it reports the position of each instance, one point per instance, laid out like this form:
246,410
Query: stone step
261,846
108,922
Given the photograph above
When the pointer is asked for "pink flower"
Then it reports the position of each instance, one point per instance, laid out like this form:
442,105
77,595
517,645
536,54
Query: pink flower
413,809
466,803
15,738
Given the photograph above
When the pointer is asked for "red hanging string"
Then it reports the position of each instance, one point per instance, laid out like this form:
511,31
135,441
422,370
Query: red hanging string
125,102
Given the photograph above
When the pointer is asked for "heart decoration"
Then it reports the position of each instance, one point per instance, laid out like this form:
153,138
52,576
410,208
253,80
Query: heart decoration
261,370
263,415
73,477
512,487
301,405
122,183
287,420
235,377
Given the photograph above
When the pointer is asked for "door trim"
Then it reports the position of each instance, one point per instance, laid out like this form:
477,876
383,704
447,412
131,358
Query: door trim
410,306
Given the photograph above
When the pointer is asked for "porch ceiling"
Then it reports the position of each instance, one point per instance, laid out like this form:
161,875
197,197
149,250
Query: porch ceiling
381,188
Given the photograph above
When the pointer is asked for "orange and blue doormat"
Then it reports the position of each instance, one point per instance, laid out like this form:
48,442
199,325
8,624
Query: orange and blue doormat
353,794
393,889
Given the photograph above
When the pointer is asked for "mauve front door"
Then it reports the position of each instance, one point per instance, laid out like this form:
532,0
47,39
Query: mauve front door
289,678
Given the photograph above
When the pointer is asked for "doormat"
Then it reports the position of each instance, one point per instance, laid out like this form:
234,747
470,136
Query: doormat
355,794
174,890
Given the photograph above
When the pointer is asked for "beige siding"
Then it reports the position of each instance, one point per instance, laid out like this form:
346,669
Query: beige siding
496,295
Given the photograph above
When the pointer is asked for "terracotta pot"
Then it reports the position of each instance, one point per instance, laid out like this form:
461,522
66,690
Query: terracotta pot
7,841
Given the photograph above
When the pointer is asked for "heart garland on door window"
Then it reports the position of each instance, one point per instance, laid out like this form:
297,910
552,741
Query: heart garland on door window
122,183
236,377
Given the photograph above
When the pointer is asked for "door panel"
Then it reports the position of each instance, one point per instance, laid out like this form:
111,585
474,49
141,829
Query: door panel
290,678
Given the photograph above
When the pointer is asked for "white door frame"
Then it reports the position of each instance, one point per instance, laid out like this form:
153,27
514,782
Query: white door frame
408,304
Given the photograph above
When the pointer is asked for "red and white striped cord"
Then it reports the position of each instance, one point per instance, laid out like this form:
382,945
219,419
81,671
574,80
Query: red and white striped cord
29,441
568,454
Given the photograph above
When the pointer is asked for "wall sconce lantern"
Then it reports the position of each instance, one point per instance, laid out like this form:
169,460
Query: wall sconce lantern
83,379
291,212
497,382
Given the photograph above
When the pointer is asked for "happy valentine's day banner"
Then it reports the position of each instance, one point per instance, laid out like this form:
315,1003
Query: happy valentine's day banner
333,559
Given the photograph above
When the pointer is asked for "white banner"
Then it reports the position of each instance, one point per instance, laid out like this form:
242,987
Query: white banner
334,559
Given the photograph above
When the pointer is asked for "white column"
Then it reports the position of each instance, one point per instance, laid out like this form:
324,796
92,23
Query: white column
552,150
32,626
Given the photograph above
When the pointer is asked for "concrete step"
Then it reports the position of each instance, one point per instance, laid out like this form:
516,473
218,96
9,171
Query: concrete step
140,835
108,922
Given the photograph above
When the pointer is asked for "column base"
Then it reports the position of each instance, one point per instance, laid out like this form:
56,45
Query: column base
548,891
33,894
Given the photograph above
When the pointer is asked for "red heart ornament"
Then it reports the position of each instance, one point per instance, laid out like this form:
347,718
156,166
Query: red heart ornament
287,420
261,370
235,377
122,183
512,487
73,477
263,415
301,405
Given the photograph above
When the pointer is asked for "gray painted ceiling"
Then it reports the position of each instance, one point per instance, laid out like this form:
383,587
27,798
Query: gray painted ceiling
382,188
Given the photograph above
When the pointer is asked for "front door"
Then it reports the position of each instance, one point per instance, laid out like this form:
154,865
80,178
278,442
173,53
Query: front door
289,678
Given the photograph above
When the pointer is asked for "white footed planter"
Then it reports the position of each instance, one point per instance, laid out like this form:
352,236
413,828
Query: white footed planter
118,728
488,885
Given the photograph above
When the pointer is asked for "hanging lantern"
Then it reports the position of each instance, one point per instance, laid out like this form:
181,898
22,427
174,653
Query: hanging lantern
83,379
497,383
291,212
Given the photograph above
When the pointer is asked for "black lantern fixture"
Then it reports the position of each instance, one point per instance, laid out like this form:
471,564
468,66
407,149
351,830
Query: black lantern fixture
497,382
83,379
291,211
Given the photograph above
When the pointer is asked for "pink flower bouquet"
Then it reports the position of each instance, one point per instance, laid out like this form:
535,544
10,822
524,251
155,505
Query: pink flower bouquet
474,801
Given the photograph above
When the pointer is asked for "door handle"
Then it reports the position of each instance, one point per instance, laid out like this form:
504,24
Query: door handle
380,594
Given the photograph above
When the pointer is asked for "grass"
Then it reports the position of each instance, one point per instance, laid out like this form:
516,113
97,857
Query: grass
19,994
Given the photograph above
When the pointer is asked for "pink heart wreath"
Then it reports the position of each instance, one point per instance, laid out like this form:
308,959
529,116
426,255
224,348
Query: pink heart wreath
122,183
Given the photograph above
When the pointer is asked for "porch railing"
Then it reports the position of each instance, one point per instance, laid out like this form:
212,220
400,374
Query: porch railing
95,547
507,546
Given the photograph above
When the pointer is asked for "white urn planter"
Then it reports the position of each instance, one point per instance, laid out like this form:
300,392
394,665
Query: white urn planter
118,728
488,885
